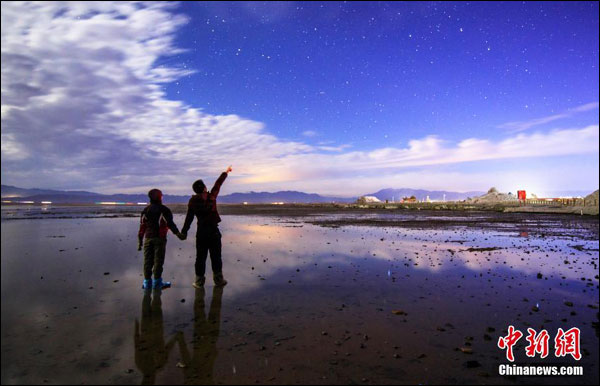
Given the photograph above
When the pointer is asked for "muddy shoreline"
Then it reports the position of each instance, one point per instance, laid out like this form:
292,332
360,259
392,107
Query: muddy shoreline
510,211
335,216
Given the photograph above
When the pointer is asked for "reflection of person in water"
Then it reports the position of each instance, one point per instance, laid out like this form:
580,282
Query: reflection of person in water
151,352
199,365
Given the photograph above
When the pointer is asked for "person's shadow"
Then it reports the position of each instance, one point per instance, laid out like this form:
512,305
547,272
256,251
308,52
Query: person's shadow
200,363
151,352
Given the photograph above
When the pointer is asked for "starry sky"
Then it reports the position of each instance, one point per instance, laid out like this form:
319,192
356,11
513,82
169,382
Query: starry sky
339,98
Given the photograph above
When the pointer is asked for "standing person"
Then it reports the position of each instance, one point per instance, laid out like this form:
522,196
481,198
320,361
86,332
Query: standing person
155,222
203,206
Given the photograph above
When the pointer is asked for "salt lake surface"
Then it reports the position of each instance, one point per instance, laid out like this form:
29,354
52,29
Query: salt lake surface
304,304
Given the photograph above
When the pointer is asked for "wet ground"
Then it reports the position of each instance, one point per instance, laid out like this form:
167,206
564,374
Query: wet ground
321,299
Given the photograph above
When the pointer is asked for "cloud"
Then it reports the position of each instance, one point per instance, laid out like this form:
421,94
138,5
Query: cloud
586,107
82,103
83,108
309,133
431,151
555,176
519,126
12,150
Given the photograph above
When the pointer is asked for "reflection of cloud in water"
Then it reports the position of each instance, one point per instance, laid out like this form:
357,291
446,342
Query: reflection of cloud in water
96,333
287,247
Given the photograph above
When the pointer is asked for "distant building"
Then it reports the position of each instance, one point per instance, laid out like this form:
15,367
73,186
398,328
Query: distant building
367,199
411,199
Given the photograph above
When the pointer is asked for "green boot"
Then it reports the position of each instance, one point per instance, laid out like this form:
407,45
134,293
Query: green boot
199,283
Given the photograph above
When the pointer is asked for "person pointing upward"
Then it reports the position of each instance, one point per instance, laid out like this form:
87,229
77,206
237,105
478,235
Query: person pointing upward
203,206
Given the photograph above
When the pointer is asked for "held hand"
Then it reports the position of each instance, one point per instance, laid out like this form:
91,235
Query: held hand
229,169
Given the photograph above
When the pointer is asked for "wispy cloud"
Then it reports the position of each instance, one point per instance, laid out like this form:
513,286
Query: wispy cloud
83,107
518,126
431,151
587,107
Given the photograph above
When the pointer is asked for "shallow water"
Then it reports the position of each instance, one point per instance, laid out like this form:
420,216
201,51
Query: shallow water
304,304
37,212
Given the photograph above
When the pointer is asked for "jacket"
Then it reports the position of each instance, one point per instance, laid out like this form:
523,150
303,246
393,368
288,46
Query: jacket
205,211
155,221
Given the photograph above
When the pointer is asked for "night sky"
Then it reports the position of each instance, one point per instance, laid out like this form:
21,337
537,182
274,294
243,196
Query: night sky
335,98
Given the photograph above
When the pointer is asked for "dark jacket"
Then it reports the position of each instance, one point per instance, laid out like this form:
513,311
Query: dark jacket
156,220
204,210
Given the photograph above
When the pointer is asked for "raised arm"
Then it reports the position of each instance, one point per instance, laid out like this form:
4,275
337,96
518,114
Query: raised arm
215,190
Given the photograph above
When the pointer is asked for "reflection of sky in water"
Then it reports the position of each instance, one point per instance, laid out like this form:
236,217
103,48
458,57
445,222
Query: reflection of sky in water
57,249
81,318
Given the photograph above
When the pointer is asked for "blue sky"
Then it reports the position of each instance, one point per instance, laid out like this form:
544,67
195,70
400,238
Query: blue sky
334,98
399,69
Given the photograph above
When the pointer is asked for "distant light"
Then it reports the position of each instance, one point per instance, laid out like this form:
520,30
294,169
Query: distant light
46,202
277,203
6,201
245,203
107,203
26,202
142,203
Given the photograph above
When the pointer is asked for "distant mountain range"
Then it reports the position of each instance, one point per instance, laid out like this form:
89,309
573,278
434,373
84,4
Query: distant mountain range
13,191
288,196
420,194
61,196
84,197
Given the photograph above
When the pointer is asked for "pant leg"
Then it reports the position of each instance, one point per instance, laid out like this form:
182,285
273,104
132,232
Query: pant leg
215,253
201,254
148,258
160,249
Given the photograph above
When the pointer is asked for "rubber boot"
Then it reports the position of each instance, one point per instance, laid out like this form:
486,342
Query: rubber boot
147,284
219,280
199,283
160,284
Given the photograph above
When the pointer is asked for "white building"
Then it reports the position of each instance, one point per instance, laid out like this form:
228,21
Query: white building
368,199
